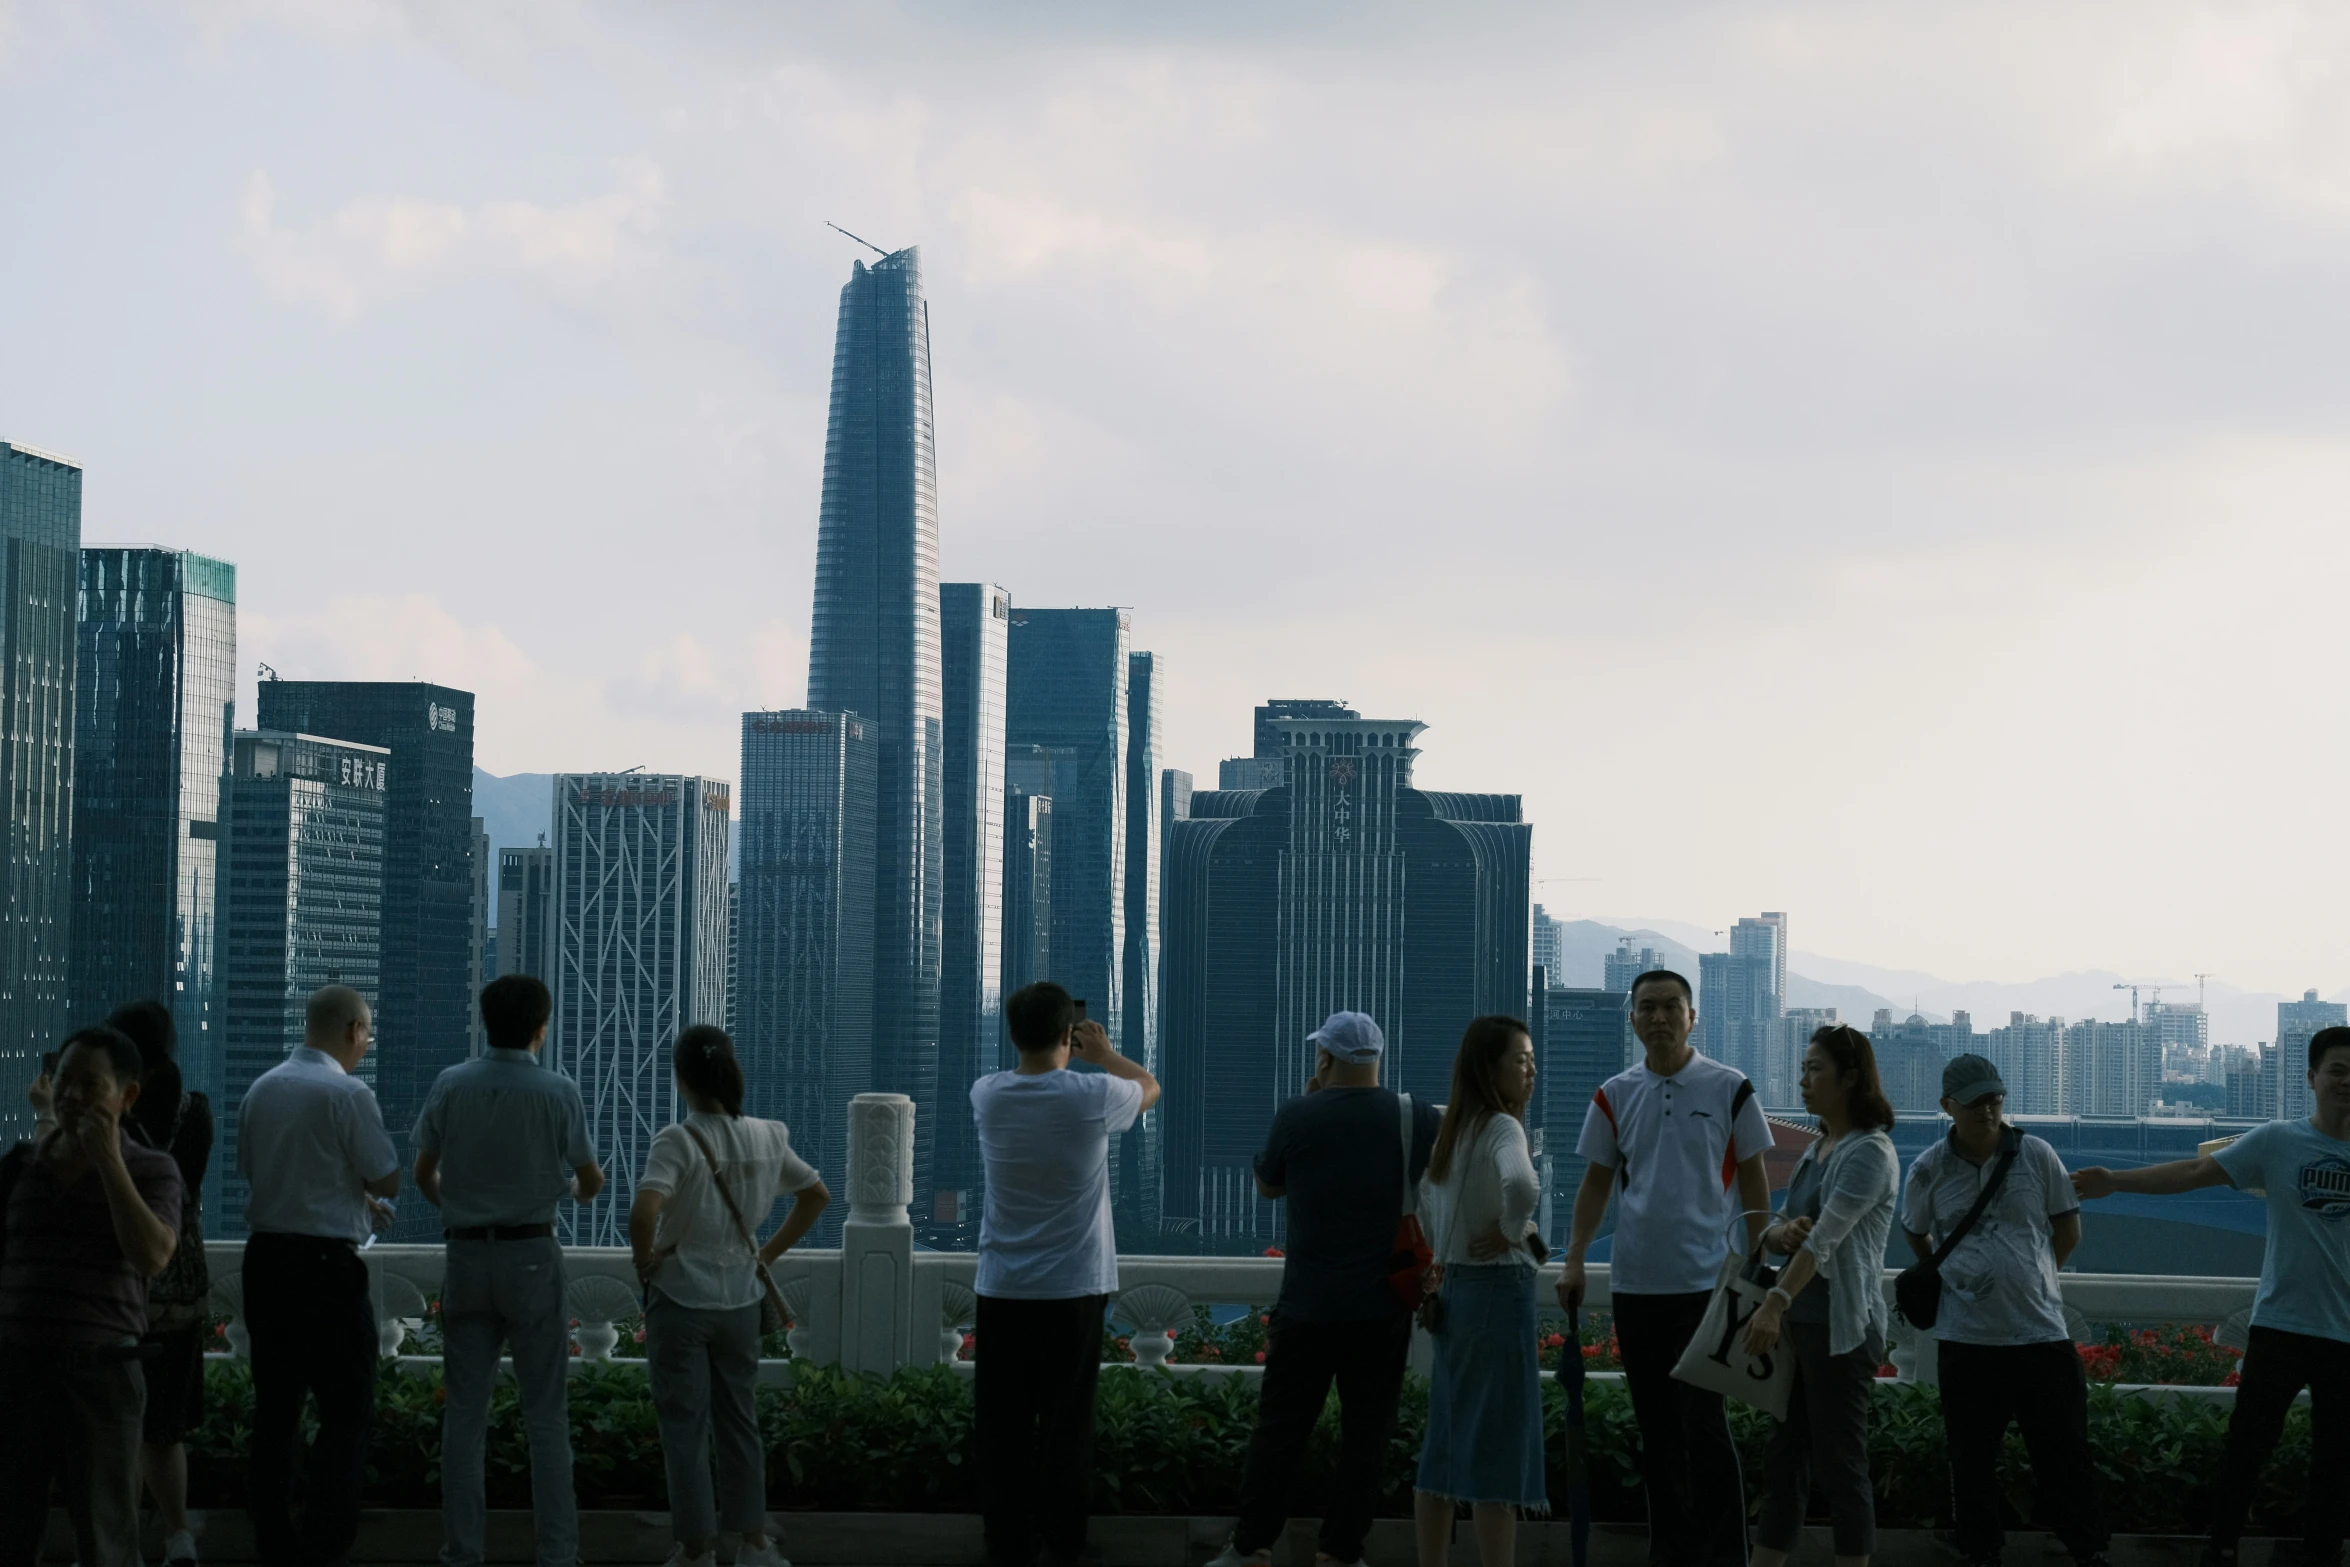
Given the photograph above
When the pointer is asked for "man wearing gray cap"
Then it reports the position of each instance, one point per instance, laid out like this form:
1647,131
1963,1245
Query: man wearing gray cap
2005,1351
1343,1155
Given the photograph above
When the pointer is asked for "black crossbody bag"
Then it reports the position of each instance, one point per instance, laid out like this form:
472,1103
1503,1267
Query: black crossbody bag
1917,1289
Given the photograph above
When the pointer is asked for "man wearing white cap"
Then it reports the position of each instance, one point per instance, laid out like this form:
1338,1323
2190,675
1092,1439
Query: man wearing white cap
1338,1155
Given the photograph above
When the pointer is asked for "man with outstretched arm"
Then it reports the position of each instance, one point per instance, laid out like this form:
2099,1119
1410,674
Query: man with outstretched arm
2301,1317
1678,1140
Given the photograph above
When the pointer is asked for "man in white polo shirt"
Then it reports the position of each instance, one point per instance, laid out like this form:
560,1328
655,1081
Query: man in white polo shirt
1679,1141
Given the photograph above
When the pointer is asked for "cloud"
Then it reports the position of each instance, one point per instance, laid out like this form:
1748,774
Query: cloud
375,248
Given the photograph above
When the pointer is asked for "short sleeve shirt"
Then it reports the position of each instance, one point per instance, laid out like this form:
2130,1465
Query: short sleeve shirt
2305,1276
1045,1137
64,1278
2000,1285
710,1270
1338,1157
310,1136
509,1133
1675,1144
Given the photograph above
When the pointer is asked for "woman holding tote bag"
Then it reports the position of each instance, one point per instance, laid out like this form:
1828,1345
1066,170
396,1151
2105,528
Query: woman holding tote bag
1829,1304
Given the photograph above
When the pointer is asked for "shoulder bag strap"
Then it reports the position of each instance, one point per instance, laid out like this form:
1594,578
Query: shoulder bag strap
1411,1188
724,1195
2010,1144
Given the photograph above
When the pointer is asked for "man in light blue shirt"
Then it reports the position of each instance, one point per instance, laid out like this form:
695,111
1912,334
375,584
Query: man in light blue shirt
2301,1317
501,1141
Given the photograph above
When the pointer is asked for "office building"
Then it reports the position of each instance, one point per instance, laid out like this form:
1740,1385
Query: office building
2251,1082
424,1017
974,621
1135,1180
2029,1053
2297,1021
526,912
1028,895
640,953
1174,806
874,651
805,1011
154,700
2110,1069
1066,713
485,960
1344,888
1582,1038
40,548
1741,996
1547,955
1619,968
734,956
301,899
1248,772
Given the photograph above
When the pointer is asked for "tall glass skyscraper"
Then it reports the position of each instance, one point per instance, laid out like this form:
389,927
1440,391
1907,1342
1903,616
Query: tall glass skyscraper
1137,1185
40,562
974,618
874,651
424,1019
1066,708
154,701
805,949
640,953
301,905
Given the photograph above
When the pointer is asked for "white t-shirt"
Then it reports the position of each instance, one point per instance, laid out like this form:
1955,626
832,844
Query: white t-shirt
1045,1138
2000,1284
1675,1144
1491,1183
711,1269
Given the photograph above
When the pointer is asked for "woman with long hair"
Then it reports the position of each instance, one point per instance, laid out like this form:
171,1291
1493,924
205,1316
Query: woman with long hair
1484,1433
1829,1303
709,1182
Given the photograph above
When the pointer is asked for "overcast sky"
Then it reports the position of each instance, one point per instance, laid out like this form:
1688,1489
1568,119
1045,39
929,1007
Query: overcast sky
1886,463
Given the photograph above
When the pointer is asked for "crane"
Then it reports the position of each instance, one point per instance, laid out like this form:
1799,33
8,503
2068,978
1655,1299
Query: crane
2153,987
2202,983
860,239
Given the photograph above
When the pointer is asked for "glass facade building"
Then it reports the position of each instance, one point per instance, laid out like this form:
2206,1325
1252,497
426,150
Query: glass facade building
1028,896
974,619
424,1020
154,701
40,549
640,953
805,1007
526,906
874,651
301,903
1581,1039
1135,1181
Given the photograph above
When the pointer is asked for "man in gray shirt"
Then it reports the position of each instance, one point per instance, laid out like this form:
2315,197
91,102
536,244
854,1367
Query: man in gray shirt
501,1141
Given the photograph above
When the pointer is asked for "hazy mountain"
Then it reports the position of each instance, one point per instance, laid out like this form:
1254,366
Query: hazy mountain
515,810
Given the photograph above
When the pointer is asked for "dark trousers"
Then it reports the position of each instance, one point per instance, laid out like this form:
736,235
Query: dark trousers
2277,1366
1824,1437
1688,1463
1033,1418
2041,1389
313,1332
73,1421
1302,1359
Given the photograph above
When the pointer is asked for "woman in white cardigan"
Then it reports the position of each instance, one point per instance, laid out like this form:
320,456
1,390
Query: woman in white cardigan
1484,1441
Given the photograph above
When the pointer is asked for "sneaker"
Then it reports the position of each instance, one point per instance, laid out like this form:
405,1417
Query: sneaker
678,1558
180,1550
768,1555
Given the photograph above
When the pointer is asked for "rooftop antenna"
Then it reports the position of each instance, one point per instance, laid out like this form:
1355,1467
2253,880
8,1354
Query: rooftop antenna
860,239
268,673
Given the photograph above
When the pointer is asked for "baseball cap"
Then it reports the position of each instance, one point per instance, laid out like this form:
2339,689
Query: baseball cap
1350,1036
1968,1078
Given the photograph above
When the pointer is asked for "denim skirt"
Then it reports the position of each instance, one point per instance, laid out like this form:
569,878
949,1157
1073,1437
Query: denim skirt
1484,1440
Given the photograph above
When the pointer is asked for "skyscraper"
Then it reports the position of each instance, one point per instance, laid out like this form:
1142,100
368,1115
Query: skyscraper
40,551
301,896
1345,887
1741,994
154,700
526,891
1136,1192
1582,1038
974,624
1067,693
2029,1053
640,953
2296,1022
1547,955
1028,894
1619,968
874,651
806,1009
424,1017
483,967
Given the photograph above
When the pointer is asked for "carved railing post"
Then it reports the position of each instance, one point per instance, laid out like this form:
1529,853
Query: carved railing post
877,1241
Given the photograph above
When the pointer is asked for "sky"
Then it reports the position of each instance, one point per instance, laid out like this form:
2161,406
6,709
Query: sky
1884,463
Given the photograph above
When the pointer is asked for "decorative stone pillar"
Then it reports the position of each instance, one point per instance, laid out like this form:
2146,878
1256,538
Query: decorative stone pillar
877,1241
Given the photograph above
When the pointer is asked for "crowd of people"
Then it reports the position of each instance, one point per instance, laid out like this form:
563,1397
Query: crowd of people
1397,1211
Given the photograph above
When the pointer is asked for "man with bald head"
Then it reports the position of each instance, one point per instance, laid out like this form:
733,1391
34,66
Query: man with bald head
311,1145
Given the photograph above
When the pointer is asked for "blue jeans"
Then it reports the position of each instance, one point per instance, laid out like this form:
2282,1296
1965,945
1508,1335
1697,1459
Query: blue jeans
704,1365
496,1294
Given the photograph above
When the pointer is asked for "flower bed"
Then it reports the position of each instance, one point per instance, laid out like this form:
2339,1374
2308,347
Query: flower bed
2176,1356
1176,1445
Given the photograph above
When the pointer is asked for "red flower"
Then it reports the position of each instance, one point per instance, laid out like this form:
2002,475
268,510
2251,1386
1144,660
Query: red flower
2232,1379
1591,1352
640,1335
1273,1251
1888,1370
575,1349
1260,1357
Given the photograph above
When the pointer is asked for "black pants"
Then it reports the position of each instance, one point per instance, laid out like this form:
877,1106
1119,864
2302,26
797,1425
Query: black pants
2277,1366
2041,1389
1033,1417
1688,1463
1302,1359
73,1420
313,1332
1824,1437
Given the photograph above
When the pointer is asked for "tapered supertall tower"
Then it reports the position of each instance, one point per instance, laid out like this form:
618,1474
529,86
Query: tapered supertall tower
874,651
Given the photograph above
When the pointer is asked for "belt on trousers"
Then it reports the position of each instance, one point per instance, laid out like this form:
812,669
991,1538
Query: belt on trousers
502,1232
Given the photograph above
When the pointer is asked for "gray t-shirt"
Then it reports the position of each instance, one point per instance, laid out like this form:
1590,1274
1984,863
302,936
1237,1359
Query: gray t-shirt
509,1133
2000,1285
2305,1277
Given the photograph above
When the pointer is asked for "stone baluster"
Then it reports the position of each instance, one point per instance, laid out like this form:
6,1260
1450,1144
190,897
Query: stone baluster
398,1304
877,1241
599,1303
228,1295
958,1308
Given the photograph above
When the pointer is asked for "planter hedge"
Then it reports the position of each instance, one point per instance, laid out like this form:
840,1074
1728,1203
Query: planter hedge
1176,1445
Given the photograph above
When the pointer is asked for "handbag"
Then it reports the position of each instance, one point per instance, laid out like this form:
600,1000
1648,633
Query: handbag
176,1297
1917,1289
773,1317
1408,1263
1714,1359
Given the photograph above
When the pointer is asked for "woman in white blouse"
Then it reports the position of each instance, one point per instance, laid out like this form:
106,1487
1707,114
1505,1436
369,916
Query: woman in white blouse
1484,1441
702,1293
